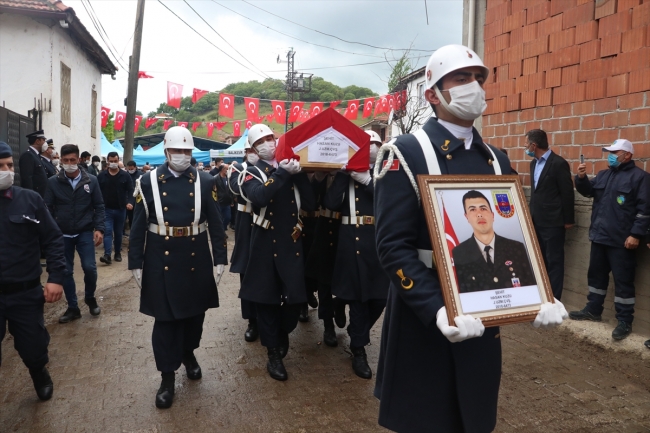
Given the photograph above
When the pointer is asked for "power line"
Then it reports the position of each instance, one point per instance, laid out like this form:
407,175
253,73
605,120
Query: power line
99,32
293,37
332,36
229,44
208,41
102,27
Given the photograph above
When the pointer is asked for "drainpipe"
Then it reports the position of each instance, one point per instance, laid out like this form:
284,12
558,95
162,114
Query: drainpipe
471,24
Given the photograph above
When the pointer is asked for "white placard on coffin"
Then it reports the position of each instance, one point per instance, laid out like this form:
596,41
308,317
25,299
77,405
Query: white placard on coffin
328,147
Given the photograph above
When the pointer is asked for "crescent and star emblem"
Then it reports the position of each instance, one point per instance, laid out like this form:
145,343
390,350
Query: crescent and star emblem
251,105
173,89
226,101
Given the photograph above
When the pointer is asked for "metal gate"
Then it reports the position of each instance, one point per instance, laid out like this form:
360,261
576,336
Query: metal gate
13,130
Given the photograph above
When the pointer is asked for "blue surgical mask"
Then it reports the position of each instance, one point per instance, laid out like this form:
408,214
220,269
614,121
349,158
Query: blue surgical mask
613,161
529,153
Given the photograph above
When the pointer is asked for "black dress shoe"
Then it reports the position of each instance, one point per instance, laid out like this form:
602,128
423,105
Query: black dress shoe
72,313
304,313
329,336
251,332
118,257
165,394
360,362
339,312
284,344
92,306
192,367
105,259
312,301
647,344
584,314
274,366
42,383
622,330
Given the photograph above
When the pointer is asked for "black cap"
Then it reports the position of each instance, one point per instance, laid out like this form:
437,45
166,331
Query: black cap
85,153
36,134
50,142
5,150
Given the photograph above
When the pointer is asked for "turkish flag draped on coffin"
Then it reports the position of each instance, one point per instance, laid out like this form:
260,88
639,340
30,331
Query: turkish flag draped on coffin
104,113
119,120
252,106
226,105
279,111
174,94
198,94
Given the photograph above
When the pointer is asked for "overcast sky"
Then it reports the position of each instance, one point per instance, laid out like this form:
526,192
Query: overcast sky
171,51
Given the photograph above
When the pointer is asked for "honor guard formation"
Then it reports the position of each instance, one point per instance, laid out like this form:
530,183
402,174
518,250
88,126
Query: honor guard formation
352,243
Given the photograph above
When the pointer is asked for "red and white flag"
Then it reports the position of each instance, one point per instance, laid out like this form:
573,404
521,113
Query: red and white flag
279,111
174,94
450,235
226,105
400,100
143,74
183,124
195,125
236,128
252,106
138,120
249,123
333,104
296,108
210,126
198,94
167,124
150,121
353,110
119,120
270,117
367,107
104,113
315,109
391,102
220,125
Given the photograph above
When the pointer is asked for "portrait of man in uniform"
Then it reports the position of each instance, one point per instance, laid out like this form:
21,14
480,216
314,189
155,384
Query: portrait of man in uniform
488,261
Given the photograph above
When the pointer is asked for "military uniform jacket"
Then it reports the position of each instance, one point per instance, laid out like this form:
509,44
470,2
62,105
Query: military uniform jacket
424,382
358,275
177,272
243,226
32,172
322,252
274,255
511,266
50,170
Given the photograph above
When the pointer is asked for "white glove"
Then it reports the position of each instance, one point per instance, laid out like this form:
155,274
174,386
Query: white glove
293,167
362,177
137,274
550,315
220,269
466,326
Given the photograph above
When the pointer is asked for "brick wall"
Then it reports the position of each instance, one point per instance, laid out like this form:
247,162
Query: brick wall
579,69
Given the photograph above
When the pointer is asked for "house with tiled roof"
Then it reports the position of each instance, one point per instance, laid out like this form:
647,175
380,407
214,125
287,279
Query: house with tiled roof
51,69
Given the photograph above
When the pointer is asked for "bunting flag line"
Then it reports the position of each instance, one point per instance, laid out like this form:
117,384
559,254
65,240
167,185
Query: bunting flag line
316,108
367,107
252,106
220,125
183,124
333,104
150,121
352,110
174,94
226,105
104,113
138,120
236,128
143,74
210,128
296,108
198,94
279,111
119,120
195,125
167,124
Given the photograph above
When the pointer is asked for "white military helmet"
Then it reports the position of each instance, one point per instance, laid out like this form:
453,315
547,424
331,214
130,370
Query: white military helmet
256,132
178,137
451,58
374,137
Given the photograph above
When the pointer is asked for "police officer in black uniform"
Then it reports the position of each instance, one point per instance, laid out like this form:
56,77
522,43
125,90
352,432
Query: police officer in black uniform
175,268
32,173
26,227
277,285
358,279
432,375
46,157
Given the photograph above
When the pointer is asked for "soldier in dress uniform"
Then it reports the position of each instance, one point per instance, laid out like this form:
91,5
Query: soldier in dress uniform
32,173
431,373
243,227
277,284
358,278
175,205
309,221
487,261
46,157
26,227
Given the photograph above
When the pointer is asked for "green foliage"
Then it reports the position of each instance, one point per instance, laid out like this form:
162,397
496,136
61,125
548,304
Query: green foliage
400,69
327,97
109,130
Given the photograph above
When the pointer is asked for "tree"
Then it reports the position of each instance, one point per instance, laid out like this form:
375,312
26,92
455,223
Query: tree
109,129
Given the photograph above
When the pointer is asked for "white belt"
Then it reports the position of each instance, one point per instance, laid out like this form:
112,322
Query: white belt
177,232
426,257
365,220
330,214
246,208
261,221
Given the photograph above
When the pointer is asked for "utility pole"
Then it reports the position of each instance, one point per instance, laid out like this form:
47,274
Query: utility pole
132,95
294,84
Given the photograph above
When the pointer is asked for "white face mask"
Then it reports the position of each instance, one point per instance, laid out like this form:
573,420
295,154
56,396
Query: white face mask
113,165
131,171
252,158
6,179
266,150
179,161
373,153
467,101
70,168
55,161
96,163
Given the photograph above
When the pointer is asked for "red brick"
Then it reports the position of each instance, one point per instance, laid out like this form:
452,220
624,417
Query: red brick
514,21
493,29
617,23
592,122
610,45
639,81
570,75
536,81
536,47
550,125
641,15
553,78
497,12
544,62
491,90
617,85
600,165
593,152
586,32
634,133
613,120
642,150
549,26
521,84
500,130
529,32
589,51
570,152
514,102
514,53
578,15
562,110
530,66
606,136
490,45
528,99
487,131
495,119
581,2
544,97
514,69
640,116
510,118
543,113
517,129
560,138
533,125
599,68
501,74
584,137
502,41
627,4
566,57
630,61
517,36
559,6
596,89
606,8
538,12
492,60
569,93
494,3
526,115
582,108
518,5
605,105
562,39
507,88
634,100
633,39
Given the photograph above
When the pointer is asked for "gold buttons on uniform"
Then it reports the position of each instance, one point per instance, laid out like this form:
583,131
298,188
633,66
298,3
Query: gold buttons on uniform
331,244
357,238
489,162
166,223
293,214
164,194
449,156
357,225
275,255
166,253
193,238
297,254
192,269
356,199
165,208
166,268
358,252
164,181
191,181
166,238
271,213
273,240
271,201
193,254
291,188
357,212
330,232
191,194
356,186
292,200
192,210
272,228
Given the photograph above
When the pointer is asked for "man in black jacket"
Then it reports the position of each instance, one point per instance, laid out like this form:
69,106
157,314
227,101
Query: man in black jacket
46,157
117,190
224,195
551,204
75,201
135,174
32,172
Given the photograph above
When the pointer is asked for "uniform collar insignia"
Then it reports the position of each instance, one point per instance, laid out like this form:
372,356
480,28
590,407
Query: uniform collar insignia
443,139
